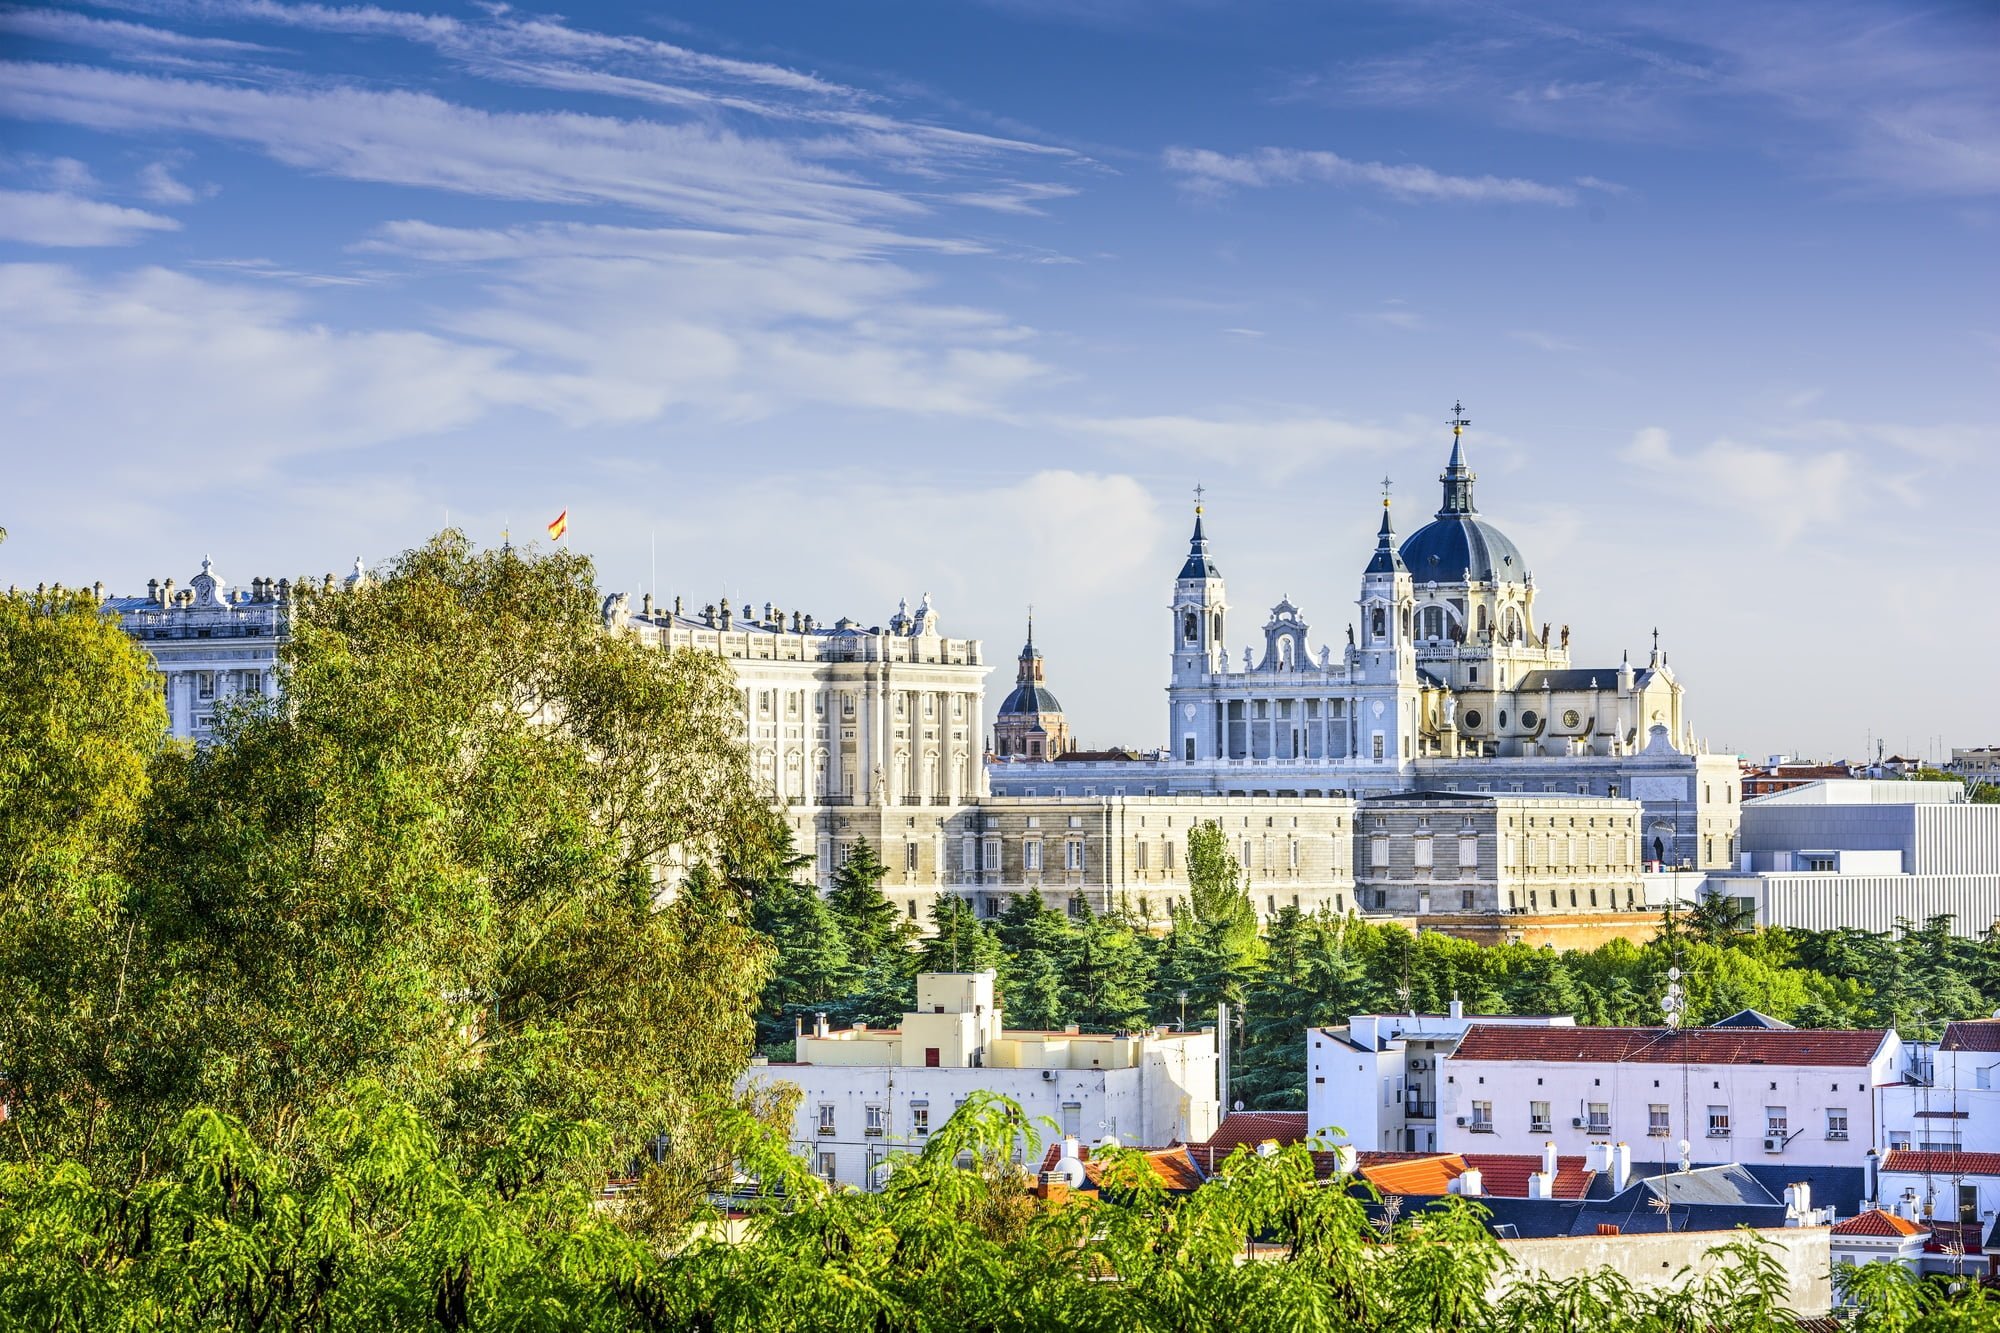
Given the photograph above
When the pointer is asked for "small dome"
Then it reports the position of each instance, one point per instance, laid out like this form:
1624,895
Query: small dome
1457,548
1029,699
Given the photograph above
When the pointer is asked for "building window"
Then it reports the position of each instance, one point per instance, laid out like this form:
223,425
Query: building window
826,1119
1718,1122
1381,899
1073,856
968,854
1657,1126
1836,1122
1482,1117
920,1118
876,1122
1142,855
931,1052
1072,1117
1538,1118
1421,851
1378,851
990,854
1170,856
910,858
826,1167
1774,1122
1031,855
1465,900
1599,1117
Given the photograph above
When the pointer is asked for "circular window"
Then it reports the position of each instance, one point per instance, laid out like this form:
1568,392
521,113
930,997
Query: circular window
1571,717
1472,720
1528,719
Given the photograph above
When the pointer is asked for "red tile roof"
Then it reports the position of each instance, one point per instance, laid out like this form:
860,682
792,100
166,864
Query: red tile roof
1876,1222
1505,1175
1702,1046
1975,1034
1966,1236
1912,1163
1254,1127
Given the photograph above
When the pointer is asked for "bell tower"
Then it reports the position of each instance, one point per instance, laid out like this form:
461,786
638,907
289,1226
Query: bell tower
1383,661
1198,611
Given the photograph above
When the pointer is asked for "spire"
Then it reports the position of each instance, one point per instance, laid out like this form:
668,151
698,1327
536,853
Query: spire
1387,559
1198,565
1457,476
1029,652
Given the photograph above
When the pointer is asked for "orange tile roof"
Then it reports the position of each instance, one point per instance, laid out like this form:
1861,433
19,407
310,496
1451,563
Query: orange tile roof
1174,1166
1971,1034
1942,1163
1876,1222
1424,1176
1702,1046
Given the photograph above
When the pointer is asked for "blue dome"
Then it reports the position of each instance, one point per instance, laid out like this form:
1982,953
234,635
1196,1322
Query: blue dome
1029,699
1460,548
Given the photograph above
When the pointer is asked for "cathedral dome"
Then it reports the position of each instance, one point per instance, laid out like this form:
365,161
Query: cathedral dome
1459,546
1462,548
1029,698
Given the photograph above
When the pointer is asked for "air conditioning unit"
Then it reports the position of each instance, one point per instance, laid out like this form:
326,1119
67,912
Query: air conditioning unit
1048,1076
1576,1122
1420,1064
1461,1122
1774,1143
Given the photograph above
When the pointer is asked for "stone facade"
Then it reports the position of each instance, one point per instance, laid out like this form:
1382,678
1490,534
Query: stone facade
1421,853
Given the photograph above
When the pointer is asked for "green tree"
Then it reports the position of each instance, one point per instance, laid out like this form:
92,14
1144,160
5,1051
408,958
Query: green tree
1040,947
81,721
444,864
959,941
1109,968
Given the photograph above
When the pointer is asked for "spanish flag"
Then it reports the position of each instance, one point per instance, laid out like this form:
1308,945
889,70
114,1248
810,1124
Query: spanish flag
559,527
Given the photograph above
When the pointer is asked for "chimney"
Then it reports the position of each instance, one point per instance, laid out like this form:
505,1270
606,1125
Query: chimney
1471,1184
1621,1166
820,1028
1549,1158
1607,1229
1457,1009
1052,1187
1541,1185
1599,1157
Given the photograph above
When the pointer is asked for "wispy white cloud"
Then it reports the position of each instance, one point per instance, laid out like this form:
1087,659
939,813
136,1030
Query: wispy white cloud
70,28
1204,171
157,183
693,171
1781,493
1545,342
57,218
1266,445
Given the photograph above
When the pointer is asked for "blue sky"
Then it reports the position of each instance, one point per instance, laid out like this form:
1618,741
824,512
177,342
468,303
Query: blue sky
831,304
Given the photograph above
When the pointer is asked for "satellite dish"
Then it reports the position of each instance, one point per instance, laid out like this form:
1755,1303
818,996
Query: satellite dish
1673,974
1238,1106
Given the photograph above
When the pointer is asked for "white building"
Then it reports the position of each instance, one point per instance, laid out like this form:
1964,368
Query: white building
1733,1094
210,642
867,1092
1374,1082
1866,853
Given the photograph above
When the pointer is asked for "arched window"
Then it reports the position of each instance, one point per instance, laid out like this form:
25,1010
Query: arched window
1381,623
1190,630
1218,627
1482,620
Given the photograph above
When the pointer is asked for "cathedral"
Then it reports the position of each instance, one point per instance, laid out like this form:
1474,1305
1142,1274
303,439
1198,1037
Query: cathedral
1448,680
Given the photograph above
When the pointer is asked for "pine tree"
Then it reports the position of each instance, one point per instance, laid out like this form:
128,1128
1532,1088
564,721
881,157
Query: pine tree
959,941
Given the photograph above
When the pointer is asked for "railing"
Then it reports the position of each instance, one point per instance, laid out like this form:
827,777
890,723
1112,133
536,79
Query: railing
826,1131
1421,1110
1541,1127
1715,1133
1482,1126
